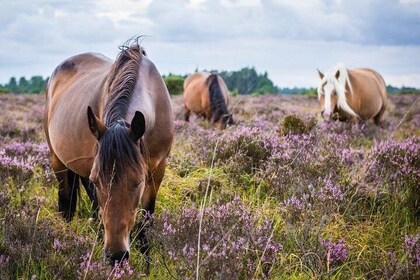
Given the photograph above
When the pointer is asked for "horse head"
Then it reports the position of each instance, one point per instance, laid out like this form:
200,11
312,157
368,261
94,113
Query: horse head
332,90
118,174
224,121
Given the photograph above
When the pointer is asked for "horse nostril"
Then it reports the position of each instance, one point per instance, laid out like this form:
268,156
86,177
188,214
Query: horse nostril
117,257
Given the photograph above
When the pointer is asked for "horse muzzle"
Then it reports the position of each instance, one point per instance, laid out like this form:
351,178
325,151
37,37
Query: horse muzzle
326,116
116,257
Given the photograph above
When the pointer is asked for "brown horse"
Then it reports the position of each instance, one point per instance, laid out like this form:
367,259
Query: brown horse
123,151
207,95
354,94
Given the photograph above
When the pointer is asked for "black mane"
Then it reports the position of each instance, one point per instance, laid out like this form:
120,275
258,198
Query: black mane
217,100
121,82
117,150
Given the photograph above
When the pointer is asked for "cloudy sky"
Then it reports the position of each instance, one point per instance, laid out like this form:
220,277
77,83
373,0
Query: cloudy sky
287,38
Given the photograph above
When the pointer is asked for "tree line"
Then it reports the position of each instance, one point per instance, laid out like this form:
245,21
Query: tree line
244,81
35,84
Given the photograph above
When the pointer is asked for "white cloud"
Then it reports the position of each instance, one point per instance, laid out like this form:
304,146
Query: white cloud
287,38
409,1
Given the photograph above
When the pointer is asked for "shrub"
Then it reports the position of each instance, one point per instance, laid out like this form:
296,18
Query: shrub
397,163
174,84
243,150
19,160
90,269
294,125
235,243
335,252
412,251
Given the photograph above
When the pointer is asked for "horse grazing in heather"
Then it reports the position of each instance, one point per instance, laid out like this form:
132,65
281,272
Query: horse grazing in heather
352,94
111,125
207,95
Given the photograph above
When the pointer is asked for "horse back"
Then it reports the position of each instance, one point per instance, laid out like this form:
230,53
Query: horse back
75,84
196,93
369,92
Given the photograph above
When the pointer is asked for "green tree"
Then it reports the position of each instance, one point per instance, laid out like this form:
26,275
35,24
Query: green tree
174,83
248,81
23,85
38,84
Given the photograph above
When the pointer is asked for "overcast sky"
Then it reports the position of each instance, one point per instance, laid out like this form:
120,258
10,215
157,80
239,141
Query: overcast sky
287,38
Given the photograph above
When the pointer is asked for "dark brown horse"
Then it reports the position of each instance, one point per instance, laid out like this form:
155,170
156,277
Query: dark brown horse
207,95
352,94
109,123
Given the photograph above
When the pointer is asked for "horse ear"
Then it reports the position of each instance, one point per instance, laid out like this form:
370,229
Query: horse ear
96,126
320,74
337,74
138,126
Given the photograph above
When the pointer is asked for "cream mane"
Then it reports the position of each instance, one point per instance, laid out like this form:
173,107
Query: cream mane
339,85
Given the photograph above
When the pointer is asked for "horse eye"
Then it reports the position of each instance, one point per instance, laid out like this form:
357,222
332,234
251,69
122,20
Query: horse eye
137,184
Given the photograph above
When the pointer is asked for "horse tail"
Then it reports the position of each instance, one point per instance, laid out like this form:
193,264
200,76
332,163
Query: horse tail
385,92
217,100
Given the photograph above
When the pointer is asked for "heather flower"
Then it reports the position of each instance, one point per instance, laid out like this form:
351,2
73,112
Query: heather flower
294,208
412,249
397,164
57,245
20,159
230,236
336,252
349,156
100,270
395,161
294,202
4,259
330,193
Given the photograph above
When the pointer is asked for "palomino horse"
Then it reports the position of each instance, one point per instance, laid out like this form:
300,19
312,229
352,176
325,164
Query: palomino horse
207,95
352,94
110,122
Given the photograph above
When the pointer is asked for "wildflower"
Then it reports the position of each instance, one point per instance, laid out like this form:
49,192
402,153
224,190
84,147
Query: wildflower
336,251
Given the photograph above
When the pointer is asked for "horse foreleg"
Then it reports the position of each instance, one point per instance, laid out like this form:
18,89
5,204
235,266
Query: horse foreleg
187,114
90,190
148,205
68,187
378,118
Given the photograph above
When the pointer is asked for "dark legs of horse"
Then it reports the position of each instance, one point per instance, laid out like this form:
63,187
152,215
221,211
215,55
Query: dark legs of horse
187,114
91,192
68,188
378,117
148,205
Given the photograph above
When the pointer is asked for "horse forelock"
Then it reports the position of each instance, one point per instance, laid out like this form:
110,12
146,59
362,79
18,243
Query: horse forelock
121,82
217,100
339,85
117,152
